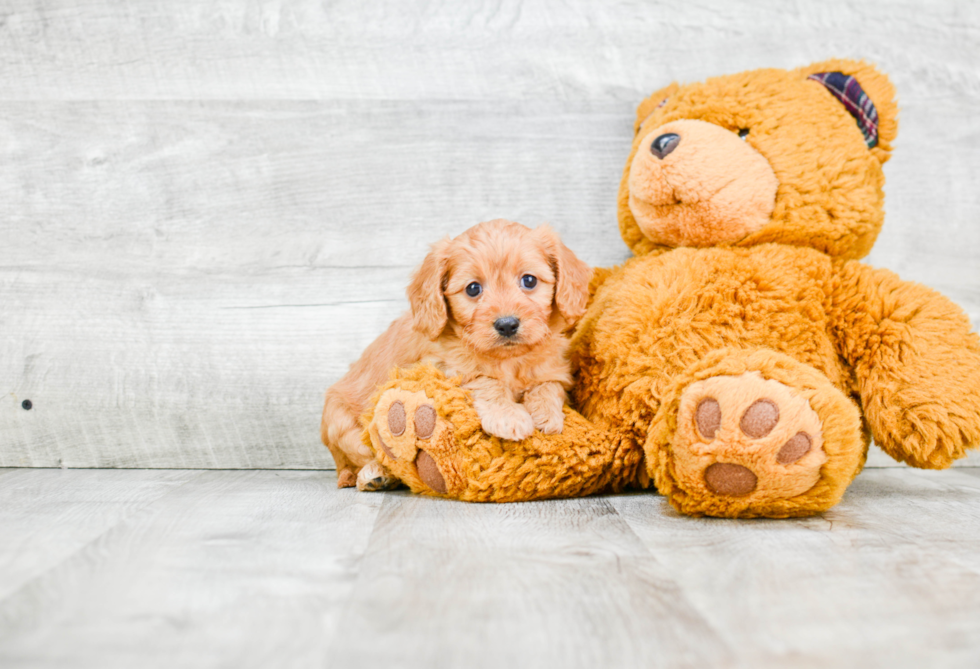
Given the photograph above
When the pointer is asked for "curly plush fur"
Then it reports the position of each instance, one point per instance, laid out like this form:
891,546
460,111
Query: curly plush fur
744,358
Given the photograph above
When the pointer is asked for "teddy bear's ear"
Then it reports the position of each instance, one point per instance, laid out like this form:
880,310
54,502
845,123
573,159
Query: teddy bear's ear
652,104
868,96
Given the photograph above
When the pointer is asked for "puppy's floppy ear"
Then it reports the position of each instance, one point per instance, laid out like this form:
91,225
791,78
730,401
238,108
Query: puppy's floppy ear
572,276
425,294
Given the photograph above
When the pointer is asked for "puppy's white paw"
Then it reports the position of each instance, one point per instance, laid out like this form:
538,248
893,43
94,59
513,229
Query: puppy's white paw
374,478
548,419
507,421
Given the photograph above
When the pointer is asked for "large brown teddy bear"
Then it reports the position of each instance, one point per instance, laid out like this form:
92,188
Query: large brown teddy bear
744,358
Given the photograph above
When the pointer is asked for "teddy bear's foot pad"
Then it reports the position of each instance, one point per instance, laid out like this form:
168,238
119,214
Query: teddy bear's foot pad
747,437
405,424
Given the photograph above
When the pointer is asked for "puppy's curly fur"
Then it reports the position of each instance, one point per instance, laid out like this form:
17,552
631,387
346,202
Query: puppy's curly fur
464,299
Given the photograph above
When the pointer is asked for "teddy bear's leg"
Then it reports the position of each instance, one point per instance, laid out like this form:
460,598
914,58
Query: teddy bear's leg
424,429
755,433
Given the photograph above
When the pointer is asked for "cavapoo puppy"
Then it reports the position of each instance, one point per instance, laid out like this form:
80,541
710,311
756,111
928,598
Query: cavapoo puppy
491,306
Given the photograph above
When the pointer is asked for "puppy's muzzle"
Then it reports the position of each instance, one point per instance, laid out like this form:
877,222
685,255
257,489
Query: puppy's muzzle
507,326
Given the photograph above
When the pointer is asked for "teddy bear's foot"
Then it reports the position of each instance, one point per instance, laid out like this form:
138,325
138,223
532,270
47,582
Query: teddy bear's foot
747,437
424,429
756,434
406,428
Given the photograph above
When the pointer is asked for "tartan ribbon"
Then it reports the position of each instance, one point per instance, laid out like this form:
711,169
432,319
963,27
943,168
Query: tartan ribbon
847,89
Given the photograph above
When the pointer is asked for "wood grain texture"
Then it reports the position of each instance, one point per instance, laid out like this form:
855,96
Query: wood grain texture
894,566
210,209
475,50
236,569
265,568
48,515
563,584
201,325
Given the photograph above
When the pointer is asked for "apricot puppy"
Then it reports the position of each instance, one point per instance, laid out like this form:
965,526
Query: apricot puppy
491,305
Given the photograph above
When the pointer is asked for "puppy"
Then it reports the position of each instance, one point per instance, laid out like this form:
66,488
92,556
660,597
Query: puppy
491,306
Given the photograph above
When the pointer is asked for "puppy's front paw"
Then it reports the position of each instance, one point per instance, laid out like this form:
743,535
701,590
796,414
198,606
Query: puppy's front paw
507,421
549,420
544,402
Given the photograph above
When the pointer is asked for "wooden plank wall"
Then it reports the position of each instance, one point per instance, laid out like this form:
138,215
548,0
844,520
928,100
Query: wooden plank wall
210,207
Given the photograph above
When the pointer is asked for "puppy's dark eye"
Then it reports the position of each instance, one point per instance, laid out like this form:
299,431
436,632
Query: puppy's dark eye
743,133
528,281
474,289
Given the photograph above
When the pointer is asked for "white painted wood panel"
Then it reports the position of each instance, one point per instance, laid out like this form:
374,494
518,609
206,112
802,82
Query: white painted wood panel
192,277
475,49
262,568
209,209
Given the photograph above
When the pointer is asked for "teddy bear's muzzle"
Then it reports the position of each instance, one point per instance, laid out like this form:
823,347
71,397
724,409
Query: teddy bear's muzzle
694,183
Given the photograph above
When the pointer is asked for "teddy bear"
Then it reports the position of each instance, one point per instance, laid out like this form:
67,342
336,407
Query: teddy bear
741,361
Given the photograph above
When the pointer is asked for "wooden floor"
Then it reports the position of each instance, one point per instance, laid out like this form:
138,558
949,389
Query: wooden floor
171,568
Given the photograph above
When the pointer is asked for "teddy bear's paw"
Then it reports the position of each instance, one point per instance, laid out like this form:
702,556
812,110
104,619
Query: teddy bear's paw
747,437
405,428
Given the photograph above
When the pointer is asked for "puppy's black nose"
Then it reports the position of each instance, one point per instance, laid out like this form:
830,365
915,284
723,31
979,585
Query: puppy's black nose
506,326
664,144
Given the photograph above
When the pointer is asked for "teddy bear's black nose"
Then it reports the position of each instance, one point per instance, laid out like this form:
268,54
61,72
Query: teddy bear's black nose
664,144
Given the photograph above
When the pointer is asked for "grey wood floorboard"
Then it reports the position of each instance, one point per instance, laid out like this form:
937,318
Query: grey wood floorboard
48,515
890,577
278,568
233,569
561,584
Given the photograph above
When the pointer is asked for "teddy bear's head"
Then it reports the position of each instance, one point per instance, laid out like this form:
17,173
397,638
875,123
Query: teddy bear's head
784,156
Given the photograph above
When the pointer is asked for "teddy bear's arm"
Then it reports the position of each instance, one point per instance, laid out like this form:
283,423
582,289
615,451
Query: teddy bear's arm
916,362
599,276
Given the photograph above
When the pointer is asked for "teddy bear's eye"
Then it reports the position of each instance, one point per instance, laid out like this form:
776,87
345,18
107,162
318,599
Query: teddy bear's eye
743,133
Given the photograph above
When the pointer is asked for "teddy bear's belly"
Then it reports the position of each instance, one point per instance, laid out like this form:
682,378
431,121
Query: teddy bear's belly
659,315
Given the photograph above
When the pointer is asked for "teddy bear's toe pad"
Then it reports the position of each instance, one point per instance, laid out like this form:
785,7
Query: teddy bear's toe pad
404,423
396,418
429,472
708,417
748,437
724,478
